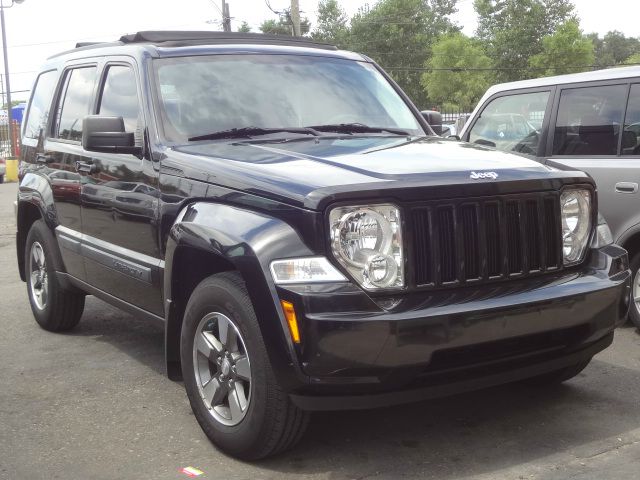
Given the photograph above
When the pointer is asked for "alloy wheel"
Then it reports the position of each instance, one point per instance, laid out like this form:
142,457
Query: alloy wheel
222,368
635,291
39,283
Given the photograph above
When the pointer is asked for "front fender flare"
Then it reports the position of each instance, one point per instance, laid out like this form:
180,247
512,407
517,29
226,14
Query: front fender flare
249,241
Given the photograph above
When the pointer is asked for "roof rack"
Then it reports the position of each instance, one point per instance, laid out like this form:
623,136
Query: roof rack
87,44
187,37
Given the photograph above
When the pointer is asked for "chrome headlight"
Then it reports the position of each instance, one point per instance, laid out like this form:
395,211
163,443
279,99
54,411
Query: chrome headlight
575,208
367,241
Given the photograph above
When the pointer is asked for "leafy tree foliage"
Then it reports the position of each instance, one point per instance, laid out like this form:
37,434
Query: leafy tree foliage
513,31
399,34
614,48
633,59
471,75
332,24
565,51
284,25
244,28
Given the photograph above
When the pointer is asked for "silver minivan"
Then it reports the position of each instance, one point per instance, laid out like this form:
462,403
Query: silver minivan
588,121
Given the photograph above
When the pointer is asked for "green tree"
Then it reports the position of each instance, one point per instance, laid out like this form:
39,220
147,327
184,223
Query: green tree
565,51
244,28
460,72
614,48
399,34
332,24
284,25
513,31
633,59
275,27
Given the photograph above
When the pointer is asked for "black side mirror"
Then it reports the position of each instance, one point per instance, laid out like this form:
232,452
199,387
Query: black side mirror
486,143
107,135
434,119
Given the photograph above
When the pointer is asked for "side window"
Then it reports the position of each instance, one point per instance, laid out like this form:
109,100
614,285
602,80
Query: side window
119,97
75,103
631,132
589,120
38,114
512,123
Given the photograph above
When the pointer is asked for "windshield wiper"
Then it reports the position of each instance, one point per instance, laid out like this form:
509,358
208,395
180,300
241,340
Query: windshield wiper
247,132
356,128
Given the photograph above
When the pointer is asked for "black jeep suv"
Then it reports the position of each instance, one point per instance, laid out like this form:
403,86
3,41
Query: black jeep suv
308,243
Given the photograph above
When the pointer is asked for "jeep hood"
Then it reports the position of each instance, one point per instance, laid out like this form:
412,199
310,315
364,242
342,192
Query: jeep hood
313,171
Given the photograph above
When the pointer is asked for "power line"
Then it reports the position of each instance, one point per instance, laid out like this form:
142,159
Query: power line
217,7
420,71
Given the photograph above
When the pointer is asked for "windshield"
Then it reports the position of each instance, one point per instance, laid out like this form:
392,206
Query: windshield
204,94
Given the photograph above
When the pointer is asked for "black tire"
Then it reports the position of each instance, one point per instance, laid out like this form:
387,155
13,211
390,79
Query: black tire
558,376
63,308
634,308
272,423
2,178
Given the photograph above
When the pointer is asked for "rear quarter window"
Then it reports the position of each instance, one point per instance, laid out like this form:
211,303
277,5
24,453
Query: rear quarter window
38,112
631,132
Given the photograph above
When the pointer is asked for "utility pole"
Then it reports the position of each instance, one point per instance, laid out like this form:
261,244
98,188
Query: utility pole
6,72
295,17
226,17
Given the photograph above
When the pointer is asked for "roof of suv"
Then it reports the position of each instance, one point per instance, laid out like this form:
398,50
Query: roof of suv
167,43
606,74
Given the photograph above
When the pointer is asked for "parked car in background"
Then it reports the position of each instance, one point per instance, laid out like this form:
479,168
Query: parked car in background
588,121
448,128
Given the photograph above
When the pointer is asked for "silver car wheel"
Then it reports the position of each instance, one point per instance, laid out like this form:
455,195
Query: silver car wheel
39,282
222,369
635,291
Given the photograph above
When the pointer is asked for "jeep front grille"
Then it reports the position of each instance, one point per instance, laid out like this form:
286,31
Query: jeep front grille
468,241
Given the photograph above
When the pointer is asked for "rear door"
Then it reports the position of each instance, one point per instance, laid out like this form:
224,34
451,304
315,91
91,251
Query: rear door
59,154
595,128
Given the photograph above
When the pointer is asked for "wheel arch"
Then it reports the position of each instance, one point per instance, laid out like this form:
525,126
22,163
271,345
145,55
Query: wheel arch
35,202
630,241
209,238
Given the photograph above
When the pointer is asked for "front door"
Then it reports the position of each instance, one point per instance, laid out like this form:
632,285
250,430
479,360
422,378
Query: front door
120,204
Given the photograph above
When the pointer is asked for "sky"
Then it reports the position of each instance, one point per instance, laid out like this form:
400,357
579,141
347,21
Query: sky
37,29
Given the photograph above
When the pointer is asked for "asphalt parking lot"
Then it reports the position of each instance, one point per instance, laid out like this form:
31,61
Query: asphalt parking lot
95,404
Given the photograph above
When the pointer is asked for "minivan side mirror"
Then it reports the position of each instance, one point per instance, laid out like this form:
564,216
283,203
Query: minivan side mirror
434,119
105,134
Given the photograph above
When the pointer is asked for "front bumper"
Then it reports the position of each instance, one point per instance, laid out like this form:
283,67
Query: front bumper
361,352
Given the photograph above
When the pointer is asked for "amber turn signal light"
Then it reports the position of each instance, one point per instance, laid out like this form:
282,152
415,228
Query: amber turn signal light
292,321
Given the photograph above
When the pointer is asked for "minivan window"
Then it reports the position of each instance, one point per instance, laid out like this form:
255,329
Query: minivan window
200,95
589,120
119,96
631,133
76,102
512,122
38,113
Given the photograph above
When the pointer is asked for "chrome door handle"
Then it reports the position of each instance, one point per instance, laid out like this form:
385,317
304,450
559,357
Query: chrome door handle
626,187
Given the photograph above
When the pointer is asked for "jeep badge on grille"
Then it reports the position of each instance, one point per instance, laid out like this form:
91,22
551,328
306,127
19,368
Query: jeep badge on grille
477,175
